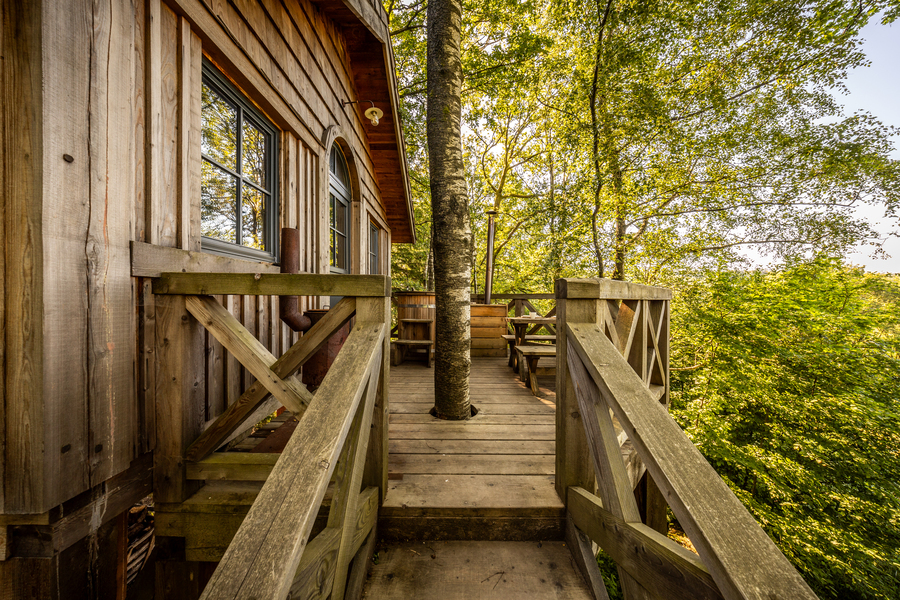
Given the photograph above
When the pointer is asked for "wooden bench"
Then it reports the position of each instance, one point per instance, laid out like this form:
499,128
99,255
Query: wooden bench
511,341
401,348
528,357
415,334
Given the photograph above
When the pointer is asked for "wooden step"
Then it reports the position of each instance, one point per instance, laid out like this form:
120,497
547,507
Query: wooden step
461,506
456,570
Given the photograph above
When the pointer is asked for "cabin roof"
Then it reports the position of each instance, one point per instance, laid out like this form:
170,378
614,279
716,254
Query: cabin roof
366,30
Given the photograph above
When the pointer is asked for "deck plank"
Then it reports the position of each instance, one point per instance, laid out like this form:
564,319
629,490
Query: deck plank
472,464
462,570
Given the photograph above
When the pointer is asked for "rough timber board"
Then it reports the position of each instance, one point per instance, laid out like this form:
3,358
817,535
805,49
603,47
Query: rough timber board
486,447
446,495
472,464
464,570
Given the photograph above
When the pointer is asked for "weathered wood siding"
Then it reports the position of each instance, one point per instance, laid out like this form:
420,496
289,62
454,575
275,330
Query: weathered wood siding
108,123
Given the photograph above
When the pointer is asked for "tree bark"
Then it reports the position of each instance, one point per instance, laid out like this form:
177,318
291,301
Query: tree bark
450,212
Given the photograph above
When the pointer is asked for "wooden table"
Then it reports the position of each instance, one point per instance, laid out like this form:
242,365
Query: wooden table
522,325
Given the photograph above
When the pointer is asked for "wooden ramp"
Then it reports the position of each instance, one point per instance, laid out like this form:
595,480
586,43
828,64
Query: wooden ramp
489,478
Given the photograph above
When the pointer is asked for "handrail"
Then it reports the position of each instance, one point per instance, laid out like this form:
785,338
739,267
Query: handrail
267,549
736,557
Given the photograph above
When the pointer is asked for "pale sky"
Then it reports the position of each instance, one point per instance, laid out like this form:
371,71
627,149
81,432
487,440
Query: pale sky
876,89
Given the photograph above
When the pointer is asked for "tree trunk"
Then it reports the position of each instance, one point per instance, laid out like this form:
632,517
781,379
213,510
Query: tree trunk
429,262
450,212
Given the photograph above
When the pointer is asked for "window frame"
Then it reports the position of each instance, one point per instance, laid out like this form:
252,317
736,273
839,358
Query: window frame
342,193
374,242
247,111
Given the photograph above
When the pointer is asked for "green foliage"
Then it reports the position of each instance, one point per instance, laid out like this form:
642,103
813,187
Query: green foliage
610,575
789,386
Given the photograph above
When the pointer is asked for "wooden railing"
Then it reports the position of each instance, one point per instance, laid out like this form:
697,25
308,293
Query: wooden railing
341,436
613,372
521,304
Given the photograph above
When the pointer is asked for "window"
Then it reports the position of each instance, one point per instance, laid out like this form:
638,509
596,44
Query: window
339,199
238,195
374,244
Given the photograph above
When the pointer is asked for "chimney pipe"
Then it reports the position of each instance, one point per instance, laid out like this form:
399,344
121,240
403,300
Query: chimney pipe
289,306
489,262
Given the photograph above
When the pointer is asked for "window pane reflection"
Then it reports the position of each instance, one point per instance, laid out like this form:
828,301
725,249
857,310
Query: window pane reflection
218,199
340,248
340,219
253,218
253,154
218,137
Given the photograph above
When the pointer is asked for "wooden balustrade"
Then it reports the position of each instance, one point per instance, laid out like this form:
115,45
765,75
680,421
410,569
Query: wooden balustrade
341,437
520,303
613,378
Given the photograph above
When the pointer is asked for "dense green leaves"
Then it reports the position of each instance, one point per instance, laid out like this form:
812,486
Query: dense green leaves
788,383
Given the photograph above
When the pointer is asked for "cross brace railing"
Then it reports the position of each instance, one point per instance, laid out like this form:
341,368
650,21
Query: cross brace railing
614,379
340,438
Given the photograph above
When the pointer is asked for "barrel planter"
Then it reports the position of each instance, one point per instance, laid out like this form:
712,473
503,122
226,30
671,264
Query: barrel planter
414,305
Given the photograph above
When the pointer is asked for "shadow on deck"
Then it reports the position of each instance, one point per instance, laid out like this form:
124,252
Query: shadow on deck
489,478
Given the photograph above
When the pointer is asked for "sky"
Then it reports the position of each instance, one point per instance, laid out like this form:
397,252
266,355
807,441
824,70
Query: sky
876,89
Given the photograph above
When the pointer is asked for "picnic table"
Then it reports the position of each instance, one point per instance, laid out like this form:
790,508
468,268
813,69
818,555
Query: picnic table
521,325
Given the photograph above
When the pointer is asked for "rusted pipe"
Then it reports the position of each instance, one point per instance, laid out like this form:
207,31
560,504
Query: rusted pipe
289,306
489,260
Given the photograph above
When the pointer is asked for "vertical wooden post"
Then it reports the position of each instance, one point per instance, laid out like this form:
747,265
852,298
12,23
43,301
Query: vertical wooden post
573,463
651,502
180,397
21,285
376,469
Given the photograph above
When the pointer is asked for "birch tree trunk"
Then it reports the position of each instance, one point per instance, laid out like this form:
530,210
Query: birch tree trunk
450,212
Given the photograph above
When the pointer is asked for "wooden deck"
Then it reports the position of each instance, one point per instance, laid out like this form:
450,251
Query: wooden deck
489,478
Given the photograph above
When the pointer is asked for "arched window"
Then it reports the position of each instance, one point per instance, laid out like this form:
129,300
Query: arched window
339,204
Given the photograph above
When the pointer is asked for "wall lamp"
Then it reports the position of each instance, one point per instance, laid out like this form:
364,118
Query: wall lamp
373,114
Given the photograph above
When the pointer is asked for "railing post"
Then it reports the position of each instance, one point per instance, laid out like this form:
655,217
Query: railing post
573,463
180,389
376,469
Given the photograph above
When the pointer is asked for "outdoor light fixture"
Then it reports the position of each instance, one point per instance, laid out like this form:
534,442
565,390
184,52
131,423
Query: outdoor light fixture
373,114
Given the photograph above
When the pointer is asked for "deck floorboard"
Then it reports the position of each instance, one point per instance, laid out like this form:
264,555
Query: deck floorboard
498,465
465,570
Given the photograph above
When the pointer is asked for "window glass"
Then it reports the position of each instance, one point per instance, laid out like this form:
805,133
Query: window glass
253,153
238,149
218,128
339,209
374,244
253,219
218,198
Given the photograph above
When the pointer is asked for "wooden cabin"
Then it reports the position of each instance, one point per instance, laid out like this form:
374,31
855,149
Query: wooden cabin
141,137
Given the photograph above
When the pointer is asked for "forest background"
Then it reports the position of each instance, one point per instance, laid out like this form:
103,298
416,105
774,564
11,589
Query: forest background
664,143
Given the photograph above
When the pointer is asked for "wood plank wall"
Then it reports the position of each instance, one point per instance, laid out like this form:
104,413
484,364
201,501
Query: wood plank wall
119,154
